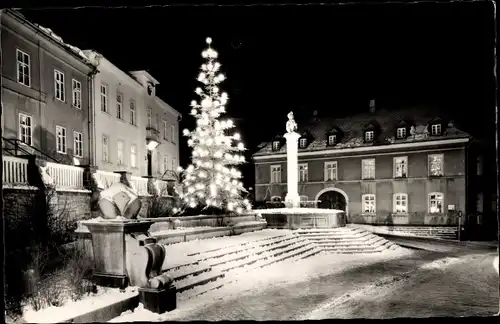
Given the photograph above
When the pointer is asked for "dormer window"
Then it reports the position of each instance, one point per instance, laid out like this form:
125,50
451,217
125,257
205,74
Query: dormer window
332,139
276,145
401,132
303,142
369,135
436,129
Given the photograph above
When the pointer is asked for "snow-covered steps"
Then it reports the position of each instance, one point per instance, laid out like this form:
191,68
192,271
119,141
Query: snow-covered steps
198,280
346,240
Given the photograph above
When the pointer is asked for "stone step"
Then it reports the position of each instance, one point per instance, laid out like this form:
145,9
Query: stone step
247,247
251,251
182,273
180,266
296,252
250,261
236,245
335,236
200,280
369,242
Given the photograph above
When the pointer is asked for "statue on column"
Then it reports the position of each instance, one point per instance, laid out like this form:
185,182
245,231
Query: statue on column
291,125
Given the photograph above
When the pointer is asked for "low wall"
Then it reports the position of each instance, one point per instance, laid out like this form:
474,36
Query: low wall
418,231
168,223
295,219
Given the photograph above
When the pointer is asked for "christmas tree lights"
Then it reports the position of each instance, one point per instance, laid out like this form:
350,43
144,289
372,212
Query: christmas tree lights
212,179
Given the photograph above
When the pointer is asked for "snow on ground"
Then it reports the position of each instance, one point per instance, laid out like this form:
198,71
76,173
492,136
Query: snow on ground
70,309
297,211
244,281
495,264
181,253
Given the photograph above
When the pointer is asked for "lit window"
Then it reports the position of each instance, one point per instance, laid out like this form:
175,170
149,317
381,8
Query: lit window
61,139
133,155
332,139
275,173
25,129
23,68
77,94
368,204
436,165
303,142
119,106
133,120
276,145
78,144
368,169
436,202
400,203
59,85
369,136
303,172
401,132
436,129
104,98
105,148
119,155
330,171
400,167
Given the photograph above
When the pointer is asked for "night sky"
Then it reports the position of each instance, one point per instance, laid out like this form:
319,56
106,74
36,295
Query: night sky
330,58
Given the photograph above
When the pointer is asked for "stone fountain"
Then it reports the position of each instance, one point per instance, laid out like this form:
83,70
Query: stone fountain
124,251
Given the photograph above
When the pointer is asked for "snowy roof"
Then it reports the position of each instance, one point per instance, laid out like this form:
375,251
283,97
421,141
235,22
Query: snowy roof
352,129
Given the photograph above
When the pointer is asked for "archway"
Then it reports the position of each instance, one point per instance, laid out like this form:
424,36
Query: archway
333,198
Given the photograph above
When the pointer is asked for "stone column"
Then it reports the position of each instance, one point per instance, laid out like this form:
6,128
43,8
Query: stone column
292,197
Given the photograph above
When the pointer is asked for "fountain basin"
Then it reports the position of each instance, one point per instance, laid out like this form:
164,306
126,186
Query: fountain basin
295,218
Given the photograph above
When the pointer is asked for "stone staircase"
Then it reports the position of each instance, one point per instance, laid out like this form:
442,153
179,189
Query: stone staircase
212,269
346,240
209,270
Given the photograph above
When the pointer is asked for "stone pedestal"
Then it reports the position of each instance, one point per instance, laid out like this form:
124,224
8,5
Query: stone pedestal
159,300
292,197
119,259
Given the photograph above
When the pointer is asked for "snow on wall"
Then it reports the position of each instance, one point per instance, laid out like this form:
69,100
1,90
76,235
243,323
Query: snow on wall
59,40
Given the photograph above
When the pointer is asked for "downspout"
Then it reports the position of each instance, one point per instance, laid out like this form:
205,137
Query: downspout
91,112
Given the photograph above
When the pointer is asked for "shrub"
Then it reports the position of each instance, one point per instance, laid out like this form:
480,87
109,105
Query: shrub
159,205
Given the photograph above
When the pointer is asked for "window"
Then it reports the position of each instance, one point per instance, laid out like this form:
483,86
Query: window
119,106
275,173
61,139
435,165
133,156
77,94
401,132
330,171
436,201
368,204
78,144
174,163
172,133
303,142
303,172
25,129
119,153
368,169
165,162
59,85
150,122
436,129
276,145
369,136
400,167
165,130
133,120
332,139
158,123
400,204
104,98
105,148
479,202
23,68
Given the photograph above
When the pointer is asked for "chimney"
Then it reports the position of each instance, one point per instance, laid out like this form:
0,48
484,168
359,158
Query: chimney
372,106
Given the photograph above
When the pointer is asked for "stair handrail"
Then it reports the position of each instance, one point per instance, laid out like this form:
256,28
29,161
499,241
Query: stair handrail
16,143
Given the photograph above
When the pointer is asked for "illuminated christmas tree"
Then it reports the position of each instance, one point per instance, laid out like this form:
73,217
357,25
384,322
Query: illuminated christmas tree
212,180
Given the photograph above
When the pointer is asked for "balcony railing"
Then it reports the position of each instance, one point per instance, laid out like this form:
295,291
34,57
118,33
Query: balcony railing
140,185
15,170
105,179
65,176
152,134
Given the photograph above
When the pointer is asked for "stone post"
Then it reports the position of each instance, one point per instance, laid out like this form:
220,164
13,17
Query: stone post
292,197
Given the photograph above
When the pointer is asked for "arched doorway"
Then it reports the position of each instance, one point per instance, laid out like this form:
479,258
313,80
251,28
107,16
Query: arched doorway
333,198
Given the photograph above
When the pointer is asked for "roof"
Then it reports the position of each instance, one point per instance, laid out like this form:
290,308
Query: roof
353,127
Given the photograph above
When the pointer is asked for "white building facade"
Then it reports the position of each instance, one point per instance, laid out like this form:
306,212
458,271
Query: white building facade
131,123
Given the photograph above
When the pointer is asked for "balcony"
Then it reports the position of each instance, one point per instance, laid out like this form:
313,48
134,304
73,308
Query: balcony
152,136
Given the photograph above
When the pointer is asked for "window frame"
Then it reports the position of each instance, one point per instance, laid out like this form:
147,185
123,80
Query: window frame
22,127
76,93
132,112
363,165
332,142
276,145
63,137
305,172
119,106
439,127
395,201
165,130
372,133
57,82
105,148
402,134
133,155
120,161
363,204
394,167
429,157
330,165
275,169
172,134
429,205
104,97
77,144
23,65
165,162
303,142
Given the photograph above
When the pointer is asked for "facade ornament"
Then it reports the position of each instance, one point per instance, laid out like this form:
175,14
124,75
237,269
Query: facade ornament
291,125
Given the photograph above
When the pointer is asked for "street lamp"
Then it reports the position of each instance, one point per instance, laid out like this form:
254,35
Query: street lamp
151,145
